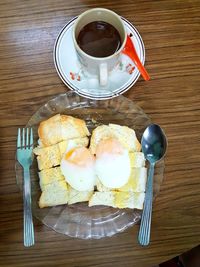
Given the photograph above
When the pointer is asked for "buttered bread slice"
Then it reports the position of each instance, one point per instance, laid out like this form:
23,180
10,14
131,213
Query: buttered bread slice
50,176
78,196
129,200
118,199
103,198
136,182
125,135
54,194
59,128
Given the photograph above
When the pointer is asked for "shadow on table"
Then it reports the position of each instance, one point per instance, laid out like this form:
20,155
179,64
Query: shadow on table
190,258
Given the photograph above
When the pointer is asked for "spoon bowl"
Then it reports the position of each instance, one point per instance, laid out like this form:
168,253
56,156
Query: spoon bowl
154,143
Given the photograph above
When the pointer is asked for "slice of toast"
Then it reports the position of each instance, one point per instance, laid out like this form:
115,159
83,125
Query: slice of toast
47,157
136,182
125,135
137,159
129,200
103,198
54,194
77,196
101,187
59,128
118,199
49,176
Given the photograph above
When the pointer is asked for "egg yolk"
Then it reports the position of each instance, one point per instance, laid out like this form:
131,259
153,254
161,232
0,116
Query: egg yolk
80,156
110,146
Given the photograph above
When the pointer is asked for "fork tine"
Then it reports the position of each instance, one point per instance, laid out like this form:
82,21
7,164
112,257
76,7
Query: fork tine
19,138
31,137
23,137
27,138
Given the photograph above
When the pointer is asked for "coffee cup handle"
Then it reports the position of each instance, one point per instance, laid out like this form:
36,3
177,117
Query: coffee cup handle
103,74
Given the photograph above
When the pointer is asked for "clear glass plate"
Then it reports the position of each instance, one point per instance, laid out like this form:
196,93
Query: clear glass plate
78,220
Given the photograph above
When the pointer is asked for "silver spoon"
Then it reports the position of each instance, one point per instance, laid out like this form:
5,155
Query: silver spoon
154,145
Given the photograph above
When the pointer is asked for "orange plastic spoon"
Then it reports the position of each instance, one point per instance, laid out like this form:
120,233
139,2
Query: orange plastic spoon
130,51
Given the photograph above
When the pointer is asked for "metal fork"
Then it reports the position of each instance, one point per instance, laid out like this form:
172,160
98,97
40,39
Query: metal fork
24,156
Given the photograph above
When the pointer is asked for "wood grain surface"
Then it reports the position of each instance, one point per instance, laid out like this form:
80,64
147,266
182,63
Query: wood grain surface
170,30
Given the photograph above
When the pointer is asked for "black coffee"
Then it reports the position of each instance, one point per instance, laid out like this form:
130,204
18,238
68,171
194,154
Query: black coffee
99,39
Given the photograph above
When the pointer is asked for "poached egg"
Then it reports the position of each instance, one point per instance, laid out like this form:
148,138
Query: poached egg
113,166
78,168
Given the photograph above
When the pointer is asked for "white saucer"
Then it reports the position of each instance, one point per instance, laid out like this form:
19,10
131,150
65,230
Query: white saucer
122,78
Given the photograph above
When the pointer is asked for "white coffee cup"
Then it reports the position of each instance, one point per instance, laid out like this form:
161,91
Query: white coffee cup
99,66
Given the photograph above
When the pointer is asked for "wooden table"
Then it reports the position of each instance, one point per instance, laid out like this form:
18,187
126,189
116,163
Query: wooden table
170,30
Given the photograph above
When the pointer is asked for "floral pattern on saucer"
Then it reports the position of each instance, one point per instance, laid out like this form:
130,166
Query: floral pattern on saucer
122,67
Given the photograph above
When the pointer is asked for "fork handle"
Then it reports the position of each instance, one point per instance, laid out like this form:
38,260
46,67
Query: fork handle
28,221
145,226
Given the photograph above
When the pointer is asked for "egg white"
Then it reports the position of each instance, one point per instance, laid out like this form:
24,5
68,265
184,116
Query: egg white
113,170
81,178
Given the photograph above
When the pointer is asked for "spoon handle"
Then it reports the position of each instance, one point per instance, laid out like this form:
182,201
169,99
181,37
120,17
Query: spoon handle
145,226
